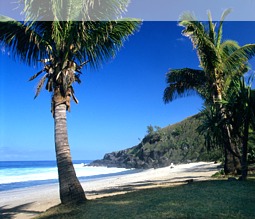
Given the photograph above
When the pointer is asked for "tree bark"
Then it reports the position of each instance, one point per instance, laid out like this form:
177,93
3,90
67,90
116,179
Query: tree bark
232,164
245,150
232,156
70,188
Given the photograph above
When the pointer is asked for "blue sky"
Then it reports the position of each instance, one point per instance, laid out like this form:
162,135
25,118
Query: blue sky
117,102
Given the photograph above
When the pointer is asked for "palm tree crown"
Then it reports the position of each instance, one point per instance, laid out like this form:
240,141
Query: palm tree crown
64,47
219,61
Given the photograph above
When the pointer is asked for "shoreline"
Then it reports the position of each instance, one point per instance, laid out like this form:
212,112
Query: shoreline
47,182
29,202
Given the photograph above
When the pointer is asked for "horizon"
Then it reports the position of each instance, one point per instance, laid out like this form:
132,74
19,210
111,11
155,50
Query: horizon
116,103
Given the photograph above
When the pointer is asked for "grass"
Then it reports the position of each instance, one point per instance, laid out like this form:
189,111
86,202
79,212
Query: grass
208,199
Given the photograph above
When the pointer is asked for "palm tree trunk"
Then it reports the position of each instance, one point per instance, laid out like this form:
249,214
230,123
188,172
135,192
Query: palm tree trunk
69,185
232,163
245,150
232,155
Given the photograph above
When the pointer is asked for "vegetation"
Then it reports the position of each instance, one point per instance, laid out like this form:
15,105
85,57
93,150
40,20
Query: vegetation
195,200
221,62
64,47
178,143
240,101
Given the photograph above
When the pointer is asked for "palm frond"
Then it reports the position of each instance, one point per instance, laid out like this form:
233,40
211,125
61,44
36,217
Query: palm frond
74,10
49,85
226,49
220,31
106,10
36,75
57,10
201,41
211,27
73,96
211,127
24,43
82,64
77,78
240,102
40,85
184,82
100,41
240,56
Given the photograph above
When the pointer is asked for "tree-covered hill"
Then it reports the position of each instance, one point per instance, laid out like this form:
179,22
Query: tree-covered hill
178,143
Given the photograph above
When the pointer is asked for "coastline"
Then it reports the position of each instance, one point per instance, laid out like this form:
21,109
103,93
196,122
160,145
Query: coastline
29,202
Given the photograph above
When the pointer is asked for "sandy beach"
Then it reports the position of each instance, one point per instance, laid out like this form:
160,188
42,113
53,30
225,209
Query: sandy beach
29,202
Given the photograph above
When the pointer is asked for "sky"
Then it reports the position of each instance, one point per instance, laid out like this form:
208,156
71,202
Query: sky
165,10
116,102
157,10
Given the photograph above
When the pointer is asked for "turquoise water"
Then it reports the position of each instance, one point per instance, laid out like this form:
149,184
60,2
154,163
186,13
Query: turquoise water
21,174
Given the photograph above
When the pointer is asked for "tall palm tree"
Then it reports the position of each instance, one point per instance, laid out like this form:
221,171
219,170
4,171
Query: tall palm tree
64,47
219,62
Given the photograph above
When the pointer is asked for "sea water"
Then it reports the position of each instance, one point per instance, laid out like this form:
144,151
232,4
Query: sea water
21,174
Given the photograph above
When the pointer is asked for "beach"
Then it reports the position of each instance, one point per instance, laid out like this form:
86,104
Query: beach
29,202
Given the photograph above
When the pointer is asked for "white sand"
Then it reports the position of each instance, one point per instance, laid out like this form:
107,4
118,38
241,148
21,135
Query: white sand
29,202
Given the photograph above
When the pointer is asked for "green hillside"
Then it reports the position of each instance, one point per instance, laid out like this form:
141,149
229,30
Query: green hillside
178,143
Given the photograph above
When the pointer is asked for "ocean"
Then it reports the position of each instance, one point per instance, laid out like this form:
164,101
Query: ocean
22,174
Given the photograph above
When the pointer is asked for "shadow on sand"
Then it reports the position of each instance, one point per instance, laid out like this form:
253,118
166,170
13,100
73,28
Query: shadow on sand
143,185
10,212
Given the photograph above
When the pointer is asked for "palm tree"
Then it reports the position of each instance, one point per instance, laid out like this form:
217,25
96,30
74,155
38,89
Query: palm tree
64,47
219,62
240,101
